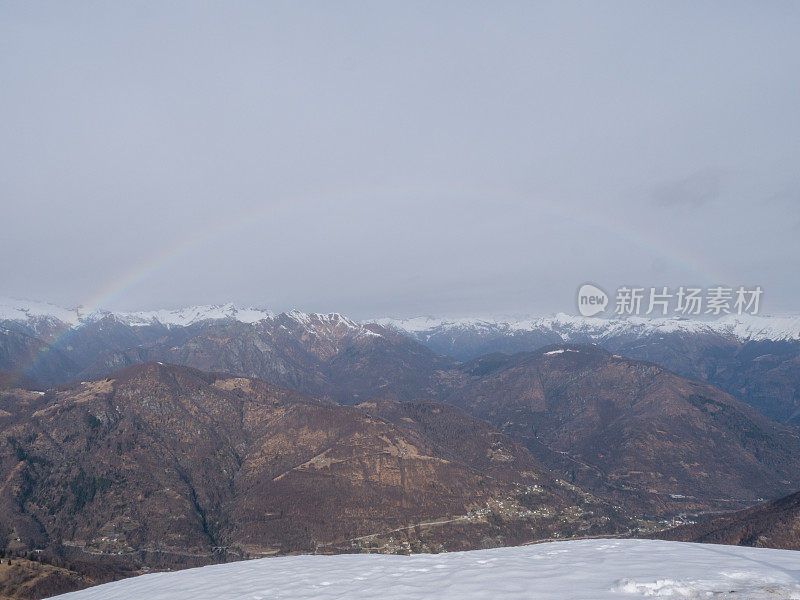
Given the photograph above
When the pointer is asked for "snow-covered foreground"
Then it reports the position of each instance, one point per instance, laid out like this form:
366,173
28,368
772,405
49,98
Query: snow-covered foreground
585,569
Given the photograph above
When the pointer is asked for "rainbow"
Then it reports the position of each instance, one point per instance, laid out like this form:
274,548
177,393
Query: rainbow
598,220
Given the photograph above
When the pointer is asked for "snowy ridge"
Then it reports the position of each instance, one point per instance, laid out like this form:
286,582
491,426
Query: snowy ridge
25,311
312,321
743,327
16,310
194,314
600,569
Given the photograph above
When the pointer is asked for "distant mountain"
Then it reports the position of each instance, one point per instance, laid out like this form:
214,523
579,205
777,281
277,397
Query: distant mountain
626,430
632,431
773,524
163,465
469,338
38,313
327,355
754,358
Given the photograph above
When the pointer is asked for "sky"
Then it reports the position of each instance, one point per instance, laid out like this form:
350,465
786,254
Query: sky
396,158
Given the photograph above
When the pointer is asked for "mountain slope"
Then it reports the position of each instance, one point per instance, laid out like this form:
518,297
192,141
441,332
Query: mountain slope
754,358
26,579
168,465
773,524
326,355
632,431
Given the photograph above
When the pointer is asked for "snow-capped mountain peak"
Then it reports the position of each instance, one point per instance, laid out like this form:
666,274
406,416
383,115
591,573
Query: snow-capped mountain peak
566,327
312,322
743,327
30,312
195,314
24,310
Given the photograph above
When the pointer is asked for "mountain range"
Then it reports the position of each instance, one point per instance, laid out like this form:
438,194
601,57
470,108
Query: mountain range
634,431
177,438
754,358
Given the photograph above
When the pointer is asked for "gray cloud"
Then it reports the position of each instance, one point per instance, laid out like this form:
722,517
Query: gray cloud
697,189
370,158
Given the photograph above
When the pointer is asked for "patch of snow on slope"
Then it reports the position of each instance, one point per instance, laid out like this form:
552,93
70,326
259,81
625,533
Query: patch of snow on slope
313,321
573,570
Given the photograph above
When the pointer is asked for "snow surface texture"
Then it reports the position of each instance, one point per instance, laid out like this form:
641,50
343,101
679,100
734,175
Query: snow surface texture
574,570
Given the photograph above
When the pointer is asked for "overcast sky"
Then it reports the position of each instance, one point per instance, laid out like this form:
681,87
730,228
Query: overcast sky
377,158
